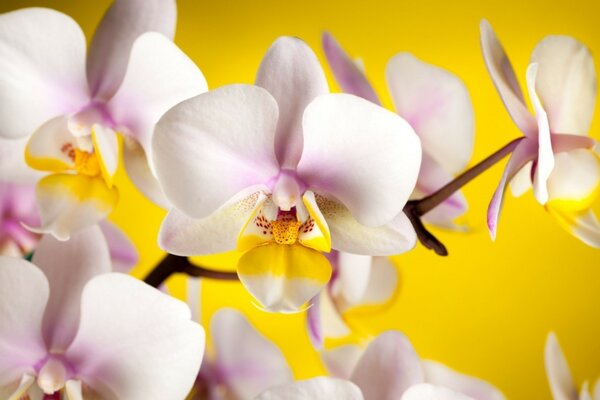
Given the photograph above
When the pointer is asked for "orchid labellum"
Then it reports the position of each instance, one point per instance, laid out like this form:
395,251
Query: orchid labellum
435,103
284,171
73,107
70,327
555,156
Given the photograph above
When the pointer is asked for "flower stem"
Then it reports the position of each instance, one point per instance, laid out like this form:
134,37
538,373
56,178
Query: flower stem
415,209
172,264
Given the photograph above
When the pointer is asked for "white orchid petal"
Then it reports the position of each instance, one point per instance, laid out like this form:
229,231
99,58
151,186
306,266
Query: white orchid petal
330,317
341,361
521,182
427,391
123,253
388,367
383,283
566,83
42,71
74,390
321,388
292,74
25,292
250,362
503,76
106,147
584,393
583,225
440,375
138,105
596,394
111,45
557,370
121,319
68,266
437,105
19,390
51,147
361,154
13,167
352,276
209,148
576,176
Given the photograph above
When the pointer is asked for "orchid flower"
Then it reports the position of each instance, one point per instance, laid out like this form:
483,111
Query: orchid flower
68,326
243,364
435,103
559,375
321,388
390,369
554,156
284,171
72,107
358,283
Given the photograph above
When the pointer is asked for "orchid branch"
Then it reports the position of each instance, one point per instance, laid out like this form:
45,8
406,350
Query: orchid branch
415,209
173,264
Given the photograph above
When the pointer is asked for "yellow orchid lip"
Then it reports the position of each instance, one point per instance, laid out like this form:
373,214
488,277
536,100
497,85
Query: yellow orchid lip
86,163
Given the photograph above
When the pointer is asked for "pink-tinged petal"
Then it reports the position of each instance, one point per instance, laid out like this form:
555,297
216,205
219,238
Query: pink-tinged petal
111,45
13,167
352,277
361,154
347,74
123,253
583,225
18,202
321,388
545,159
383,282
51,147
503,76
138,105
68,203
426,391
432,177
313,322
25,292
562,143
138,169
440,375
247,362
557,370
291,72
211,147
121,318
566,83
42,71
437,105
388,367
348,235
523,153
216,233
68,266
340,361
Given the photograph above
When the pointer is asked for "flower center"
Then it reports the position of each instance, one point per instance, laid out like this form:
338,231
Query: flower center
52,376
286,228
86,163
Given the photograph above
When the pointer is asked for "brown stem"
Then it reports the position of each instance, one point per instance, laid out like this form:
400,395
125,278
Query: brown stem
172,264
415,209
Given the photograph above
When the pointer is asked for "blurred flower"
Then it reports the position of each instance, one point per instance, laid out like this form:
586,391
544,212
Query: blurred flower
358,284
321,388
67,324
559,375
243,364
554,156
389,369
74,107
435,103
285,171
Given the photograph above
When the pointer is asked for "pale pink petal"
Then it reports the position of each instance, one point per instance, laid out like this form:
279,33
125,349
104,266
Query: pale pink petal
247,361
216,233
138,105
388,367
123,253
557,370
523,153
440,375
347,74
18,202
122,24
209,148
135,342
68,266
566,83
313,322
545,158
13,167
348,235
321,388
562,143
292,74
341,361
360,154
42,71
503,76
426,391
437,105
24,292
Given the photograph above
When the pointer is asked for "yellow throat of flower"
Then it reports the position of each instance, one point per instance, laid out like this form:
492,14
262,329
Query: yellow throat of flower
286,231
87,163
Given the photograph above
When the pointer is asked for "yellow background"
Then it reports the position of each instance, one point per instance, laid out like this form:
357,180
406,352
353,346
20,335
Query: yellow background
485,309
